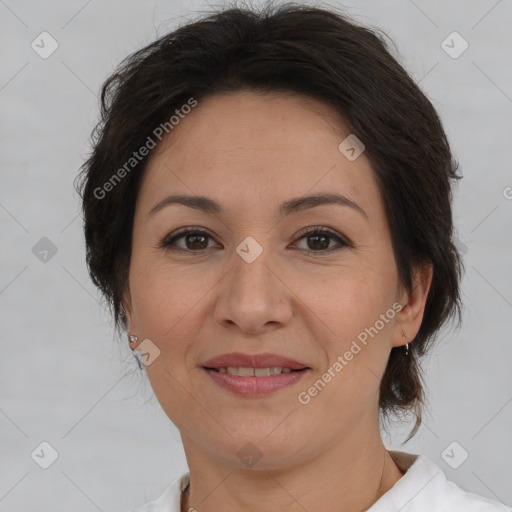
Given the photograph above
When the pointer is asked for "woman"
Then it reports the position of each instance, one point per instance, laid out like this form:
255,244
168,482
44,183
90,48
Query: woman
268,211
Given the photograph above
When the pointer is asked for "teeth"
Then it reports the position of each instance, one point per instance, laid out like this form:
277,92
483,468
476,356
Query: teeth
254,372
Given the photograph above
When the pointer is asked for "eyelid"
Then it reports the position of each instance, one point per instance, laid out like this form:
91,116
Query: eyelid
185,230
168,240
323,230
342,241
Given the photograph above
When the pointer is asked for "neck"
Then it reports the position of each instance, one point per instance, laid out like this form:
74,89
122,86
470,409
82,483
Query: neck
350,476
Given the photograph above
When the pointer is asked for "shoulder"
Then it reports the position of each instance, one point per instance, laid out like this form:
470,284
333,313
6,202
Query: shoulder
170,499
425,488
445,495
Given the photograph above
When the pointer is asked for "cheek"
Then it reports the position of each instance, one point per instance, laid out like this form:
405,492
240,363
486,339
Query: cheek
169,301
350,301
357,310
166,304
356,351
172,302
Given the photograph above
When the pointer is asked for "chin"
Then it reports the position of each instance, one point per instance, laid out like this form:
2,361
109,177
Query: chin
256,450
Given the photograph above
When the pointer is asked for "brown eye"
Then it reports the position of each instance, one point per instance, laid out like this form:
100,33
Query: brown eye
196,241
318,242
191,240
319,239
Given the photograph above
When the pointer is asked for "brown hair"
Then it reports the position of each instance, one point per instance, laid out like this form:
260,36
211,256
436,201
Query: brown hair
301,49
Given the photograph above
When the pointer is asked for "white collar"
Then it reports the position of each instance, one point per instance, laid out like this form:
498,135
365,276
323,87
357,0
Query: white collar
422,488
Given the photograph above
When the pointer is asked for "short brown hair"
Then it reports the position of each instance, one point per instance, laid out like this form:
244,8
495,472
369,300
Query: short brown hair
301,49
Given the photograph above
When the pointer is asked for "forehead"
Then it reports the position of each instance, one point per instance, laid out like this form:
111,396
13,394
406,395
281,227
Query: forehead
254,122
250,145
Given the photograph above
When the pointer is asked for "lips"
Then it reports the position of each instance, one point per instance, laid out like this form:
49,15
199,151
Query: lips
265,360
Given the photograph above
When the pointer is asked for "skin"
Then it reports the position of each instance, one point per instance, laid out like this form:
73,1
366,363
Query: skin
251,152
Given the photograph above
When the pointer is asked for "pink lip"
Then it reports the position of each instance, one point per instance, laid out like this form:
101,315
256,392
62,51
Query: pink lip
255,386
265,360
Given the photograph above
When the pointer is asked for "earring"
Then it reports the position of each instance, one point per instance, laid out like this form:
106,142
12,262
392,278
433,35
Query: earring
132,338
406,344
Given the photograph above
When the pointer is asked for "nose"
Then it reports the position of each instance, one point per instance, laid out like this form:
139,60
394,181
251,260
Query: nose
253,296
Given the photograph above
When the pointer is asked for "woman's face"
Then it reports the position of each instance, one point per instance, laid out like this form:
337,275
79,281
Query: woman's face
252,282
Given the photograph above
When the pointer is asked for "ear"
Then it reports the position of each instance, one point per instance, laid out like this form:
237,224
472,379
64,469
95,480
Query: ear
127,306
409,318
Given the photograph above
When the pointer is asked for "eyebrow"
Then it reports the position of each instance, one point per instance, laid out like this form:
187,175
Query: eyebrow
294,205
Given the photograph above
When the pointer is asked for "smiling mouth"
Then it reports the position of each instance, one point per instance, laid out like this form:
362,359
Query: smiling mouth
254,372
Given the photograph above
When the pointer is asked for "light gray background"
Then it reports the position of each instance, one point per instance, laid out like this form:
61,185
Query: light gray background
61,371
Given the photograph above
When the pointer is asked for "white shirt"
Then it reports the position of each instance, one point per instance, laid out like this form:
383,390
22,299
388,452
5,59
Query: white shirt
423,488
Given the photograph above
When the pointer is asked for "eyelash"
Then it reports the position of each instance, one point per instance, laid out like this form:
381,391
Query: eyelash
313,230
